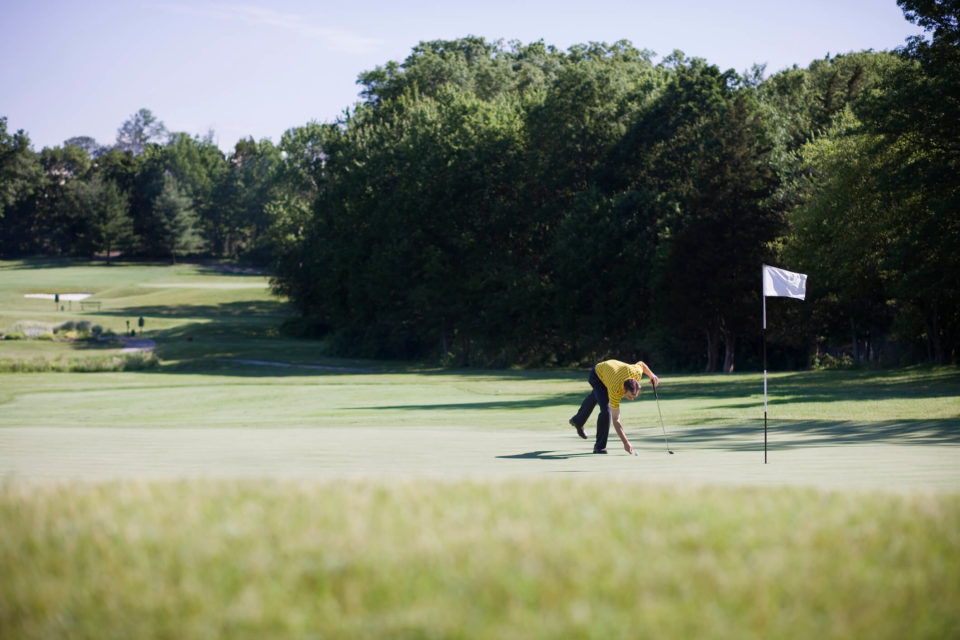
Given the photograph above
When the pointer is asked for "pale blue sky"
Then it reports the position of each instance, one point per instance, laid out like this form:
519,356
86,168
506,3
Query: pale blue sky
255,68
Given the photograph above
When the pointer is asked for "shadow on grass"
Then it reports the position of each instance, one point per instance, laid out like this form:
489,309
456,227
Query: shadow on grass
824,386
231,270
784,436
545,455
212,312
570,400
35,263
243,340
22,264
820,433
106,344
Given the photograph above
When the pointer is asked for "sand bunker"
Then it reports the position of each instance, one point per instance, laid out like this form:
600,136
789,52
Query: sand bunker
63,296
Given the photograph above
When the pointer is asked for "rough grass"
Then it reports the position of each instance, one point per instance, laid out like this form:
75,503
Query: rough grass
86,364
516,559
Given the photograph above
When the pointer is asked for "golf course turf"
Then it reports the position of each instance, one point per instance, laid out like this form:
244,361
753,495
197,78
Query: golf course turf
246,485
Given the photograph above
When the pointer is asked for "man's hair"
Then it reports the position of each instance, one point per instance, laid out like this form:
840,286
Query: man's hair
631,385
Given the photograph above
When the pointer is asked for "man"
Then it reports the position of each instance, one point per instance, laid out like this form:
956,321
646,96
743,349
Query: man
611,380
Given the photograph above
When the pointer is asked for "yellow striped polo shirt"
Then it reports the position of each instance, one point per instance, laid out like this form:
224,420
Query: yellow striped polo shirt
613,374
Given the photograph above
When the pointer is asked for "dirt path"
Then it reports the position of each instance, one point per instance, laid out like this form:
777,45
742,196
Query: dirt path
133,345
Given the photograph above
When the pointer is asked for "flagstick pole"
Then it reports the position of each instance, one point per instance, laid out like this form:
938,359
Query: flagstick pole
764,332
764,395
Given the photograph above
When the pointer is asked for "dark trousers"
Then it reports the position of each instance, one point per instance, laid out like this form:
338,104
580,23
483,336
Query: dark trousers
599,396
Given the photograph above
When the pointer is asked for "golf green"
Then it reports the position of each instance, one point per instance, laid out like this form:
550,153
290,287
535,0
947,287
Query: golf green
148,425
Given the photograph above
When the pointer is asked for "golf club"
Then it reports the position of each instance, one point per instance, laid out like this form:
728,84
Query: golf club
657,396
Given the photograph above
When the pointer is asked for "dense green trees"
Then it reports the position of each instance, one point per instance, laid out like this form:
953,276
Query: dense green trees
152,194
103,208
877,215
470,213
917,116
491,203
19,169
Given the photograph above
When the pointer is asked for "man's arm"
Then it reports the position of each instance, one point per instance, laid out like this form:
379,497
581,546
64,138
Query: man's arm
615,417
654,380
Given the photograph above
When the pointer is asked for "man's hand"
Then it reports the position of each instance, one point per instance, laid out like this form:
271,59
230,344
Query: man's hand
615,418
654,380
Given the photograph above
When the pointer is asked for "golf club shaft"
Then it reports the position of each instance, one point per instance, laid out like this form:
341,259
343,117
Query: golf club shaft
657,396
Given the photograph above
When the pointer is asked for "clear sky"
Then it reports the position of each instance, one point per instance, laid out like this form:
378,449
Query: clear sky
255,68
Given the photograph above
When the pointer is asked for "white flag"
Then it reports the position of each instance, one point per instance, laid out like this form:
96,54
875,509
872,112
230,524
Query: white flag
787,284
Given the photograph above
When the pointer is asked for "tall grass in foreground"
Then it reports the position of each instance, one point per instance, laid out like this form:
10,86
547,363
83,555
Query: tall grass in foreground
513,559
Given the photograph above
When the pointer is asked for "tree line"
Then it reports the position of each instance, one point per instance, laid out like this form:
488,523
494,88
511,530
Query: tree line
492,204
152,194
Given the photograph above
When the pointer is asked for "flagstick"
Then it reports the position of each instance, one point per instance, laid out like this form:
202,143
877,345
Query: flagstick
785,284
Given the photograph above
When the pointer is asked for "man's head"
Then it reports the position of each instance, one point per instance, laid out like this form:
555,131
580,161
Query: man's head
631,389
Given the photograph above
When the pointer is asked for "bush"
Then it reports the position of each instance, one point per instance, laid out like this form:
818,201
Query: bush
32,329
22,365
826,362
78,330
